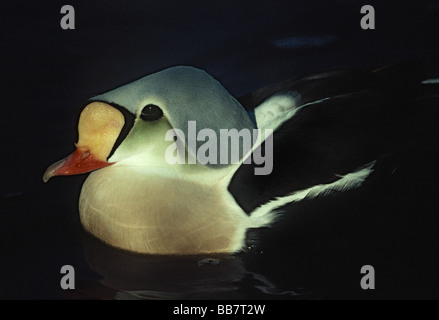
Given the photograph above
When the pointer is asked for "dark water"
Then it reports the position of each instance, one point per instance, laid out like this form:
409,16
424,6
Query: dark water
48,73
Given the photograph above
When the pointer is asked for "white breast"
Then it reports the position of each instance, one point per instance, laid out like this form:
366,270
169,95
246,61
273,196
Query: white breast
150,213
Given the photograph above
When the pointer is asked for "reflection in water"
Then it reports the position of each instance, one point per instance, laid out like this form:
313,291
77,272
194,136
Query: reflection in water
135,276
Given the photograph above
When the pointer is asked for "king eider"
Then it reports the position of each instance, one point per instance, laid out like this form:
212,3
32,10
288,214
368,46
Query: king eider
134,199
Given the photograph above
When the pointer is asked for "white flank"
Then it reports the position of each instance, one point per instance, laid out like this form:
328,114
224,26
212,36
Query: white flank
273,112
431,81
267,213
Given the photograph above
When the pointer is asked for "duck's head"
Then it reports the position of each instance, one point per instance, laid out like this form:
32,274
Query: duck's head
129,125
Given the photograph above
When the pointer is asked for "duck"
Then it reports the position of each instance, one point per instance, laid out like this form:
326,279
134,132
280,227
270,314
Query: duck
137,200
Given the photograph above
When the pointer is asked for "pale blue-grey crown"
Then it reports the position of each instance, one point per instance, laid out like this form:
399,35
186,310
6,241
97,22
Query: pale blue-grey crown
189,94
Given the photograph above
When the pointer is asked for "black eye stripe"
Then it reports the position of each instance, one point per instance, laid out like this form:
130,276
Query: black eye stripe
151,112
129,123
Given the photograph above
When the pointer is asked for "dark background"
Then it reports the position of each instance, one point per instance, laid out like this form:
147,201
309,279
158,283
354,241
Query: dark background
48,73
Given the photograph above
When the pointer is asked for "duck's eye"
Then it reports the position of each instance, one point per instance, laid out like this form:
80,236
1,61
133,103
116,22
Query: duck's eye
151,112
